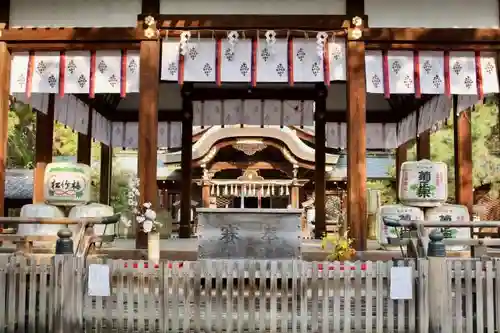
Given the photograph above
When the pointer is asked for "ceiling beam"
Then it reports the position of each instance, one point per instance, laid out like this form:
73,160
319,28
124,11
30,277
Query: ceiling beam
339,116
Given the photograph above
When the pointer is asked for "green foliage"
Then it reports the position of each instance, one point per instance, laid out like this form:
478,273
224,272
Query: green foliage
21,151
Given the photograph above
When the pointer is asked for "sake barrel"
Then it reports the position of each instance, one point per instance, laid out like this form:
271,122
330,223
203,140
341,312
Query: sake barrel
67,184
423,183
397,212
445,213
94,210
40,210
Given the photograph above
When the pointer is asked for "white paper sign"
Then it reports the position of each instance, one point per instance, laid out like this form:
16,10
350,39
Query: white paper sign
98,282
401,283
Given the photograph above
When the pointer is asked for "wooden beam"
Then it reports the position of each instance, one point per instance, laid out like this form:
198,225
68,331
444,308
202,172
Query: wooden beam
431,46
355,8
424,145
150,7
43,148
72,35
244,22
356,144
464,191
286,92
105,174
186,162
84,143
401,157
148,127
434,35
331,116
4,121
5,12
320,161
70,46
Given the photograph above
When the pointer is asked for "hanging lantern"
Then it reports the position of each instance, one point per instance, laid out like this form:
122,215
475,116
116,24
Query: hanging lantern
225,191
272,189
287,190
212,190
218,190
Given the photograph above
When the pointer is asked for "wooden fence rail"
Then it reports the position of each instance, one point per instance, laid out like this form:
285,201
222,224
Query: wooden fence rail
241,296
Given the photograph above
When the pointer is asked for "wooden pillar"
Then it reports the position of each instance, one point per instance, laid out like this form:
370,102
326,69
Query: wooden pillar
401,157
4,105
424,145
320,161
295,196
105,174
356,144
148,127
43,148
186,162
84,148
205,195
464,192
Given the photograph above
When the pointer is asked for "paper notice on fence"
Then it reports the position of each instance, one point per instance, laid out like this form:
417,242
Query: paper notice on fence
98,282
401,283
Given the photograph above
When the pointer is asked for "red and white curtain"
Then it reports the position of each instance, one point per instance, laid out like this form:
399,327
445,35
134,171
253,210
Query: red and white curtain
75,72
378,135
126,134
245,60
253,112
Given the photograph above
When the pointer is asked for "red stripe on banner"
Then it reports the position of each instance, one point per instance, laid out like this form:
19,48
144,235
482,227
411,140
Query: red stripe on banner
29,74
181,69
218,59
385,68
62,73
290,62
326,63
92,74
254,61
416,71
447,83
123,74
479,76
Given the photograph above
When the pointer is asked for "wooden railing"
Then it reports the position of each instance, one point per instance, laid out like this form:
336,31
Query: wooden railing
247,296
83,235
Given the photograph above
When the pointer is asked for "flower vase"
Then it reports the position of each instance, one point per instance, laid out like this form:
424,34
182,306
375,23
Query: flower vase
154,247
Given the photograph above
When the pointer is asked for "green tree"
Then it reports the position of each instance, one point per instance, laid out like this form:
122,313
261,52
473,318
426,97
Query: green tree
21,151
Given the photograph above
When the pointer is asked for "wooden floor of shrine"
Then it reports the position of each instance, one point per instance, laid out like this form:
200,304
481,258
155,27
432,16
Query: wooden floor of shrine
186,249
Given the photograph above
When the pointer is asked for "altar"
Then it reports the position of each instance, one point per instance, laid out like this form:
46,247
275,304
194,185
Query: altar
249,233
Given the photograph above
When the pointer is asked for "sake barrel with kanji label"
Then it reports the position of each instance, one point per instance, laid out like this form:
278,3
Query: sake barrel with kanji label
450,213
67,184
40,210
423,183
94,210
395,212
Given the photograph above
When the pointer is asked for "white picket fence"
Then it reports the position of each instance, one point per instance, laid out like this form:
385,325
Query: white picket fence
240,296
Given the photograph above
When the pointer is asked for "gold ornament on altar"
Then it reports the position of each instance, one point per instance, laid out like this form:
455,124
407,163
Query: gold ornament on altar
150,31
249,148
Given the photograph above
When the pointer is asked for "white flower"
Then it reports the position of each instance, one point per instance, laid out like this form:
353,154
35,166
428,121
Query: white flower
140,219
150,214
136,192
147,205
135,211
131,203
147,226
131,195
125,221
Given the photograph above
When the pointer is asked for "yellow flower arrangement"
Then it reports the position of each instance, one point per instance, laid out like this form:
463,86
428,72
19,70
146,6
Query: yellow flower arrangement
339,246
